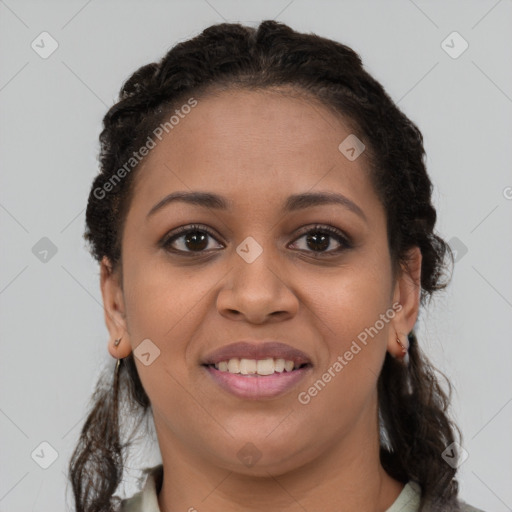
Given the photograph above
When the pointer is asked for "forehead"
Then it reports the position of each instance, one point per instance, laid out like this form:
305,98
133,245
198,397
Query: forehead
245,122
247,143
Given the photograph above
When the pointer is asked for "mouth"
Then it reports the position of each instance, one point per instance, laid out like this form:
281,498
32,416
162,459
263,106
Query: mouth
257,371
253,386
257,367
257,351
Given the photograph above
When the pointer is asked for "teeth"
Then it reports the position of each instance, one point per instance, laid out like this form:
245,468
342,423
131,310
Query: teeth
288,365
233,366
279,365
265,366
248,366
252,366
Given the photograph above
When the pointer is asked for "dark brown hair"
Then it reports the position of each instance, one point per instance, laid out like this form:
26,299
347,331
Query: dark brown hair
412,404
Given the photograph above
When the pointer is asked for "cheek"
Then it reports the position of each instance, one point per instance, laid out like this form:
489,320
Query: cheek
349,309
158,299
167,306
351,300
162,305
348,319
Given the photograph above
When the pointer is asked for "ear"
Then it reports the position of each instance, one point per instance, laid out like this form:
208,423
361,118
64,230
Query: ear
407,294
114,309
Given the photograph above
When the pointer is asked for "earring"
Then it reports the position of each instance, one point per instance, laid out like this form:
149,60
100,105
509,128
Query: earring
404,350
118,364
405,354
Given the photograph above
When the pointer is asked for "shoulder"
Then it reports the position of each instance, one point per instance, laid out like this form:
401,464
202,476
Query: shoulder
409,500
146,500
133,504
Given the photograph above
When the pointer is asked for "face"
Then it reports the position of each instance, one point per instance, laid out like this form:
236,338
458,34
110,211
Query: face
311,273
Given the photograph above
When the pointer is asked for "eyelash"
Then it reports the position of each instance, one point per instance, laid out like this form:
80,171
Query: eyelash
317,228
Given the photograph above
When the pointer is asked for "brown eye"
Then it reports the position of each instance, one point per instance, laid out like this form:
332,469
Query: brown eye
190,239
318,241
323,239
196,241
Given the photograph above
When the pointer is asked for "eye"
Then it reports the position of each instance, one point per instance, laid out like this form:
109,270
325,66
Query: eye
198,239
319,239
189,239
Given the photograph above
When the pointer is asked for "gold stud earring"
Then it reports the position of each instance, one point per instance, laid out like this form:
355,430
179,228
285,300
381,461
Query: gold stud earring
116,342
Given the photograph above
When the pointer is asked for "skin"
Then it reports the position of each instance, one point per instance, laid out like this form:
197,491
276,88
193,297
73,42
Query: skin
256,149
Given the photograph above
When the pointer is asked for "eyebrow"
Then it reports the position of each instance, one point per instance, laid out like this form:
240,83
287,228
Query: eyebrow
293,203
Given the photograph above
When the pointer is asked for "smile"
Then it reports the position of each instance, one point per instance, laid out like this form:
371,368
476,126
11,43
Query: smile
257,379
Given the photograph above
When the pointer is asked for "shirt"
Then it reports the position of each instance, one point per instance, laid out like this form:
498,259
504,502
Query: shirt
146,500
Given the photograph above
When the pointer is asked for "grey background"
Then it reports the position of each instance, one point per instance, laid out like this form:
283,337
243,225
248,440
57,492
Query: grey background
53,338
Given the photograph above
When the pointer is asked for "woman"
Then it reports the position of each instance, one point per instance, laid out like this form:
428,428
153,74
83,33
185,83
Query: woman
265,232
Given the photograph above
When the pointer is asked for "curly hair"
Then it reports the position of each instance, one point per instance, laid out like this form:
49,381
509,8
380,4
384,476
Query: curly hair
412,403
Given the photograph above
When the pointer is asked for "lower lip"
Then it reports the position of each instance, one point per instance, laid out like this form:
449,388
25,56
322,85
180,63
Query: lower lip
257,386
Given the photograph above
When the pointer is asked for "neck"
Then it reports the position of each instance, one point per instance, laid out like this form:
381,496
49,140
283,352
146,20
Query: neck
346,477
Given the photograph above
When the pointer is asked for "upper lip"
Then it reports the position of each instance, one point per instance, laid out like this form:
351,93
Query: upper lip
257,350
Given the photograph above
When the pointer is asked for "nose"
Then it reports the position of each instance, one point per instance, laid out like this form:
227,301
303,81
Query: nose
257,292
